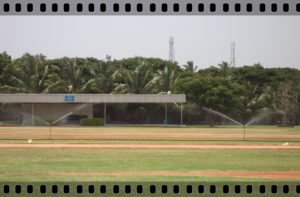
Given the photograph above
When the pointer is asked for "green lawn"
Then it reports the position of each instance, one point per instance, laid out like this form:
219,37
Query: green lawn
44,164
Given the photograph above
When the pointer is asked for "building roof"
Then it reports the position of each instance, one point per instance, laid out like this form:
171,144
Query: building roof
92,98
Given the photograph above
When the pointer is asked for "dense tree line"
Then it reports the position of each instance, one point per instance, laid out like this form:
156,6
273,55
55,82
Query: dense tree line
240,92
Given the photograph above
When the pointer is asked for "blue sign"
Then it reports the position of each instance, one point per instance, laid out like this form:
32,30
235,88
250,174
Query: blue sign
69,98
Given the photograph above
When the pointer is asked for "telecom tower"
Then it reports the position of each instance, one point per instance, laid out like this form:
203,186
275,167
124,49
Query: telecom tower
232,54
171,49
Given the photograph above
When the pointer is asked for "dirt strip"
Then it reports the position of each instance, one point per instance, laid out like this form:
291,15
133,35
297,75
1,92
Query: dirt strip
295,175
169,136
148,146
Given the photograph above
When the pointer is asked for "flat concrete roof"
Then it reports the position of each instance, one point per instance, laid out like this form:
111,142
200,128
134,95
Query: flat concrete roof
92,98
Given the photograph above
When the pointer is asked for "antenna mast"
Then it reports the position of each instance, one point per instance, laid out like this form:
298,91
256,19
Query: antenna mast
232,54
171,49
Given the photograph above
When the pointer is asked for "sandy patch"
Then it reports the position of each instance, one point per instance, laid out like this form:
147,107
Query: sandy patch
166,136
150,146
294,175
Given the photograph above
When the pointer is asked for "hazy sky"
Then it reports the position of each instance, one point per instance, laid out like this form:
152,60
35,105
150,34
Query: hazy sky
271,40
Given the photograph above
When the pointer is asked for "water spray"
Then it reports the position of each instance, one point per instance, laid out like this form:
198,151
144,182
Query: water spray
222,115
259,117
78,108
36,117
56,121
228,118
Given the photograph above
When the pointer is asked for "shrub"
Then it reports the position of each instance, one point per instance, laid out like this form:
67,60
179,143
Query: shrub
92,122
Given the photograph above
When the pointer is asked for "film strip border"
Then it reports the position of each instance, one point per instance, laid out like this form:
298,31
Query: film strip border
154,189
150,7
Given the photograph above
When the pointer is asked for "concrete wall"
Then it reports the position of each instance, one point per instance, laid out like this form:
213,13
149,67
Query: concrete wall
54,111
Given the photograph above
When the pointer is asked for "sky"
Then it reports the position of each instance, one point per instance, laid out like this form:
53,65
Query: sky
273,41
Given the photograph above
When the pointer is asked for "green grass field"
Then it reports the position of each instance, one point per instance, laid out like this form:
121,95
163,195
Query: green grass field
62,165
95,164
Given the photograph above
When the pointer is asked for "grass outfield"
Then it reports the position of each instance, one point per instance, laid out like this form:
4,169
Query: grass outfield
105,164
142,165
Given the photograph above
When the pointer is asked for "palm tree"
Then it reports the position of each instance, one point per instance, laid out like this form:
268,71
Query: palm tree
72,71
190,68
225,69
138,81
166,79
72,76
5,64
102,79
29,74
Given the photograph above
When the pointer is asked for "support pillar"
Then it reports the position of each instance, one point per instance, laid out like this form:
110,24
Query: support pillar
104,114
32,114
181,115
166,114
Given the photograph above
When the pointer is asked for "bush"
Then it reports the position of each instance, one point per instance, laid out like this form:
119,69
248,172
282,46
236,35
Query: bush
92,122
